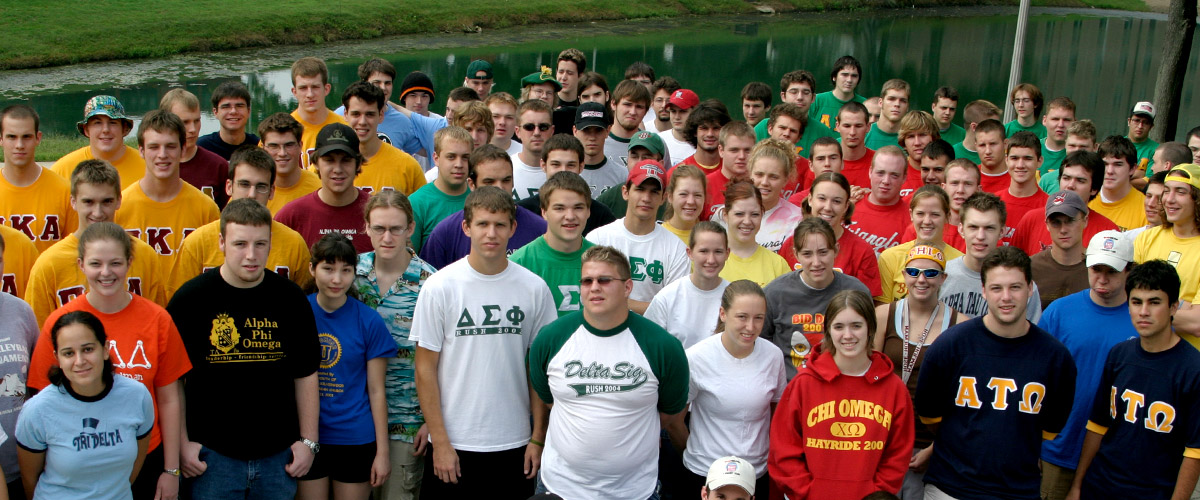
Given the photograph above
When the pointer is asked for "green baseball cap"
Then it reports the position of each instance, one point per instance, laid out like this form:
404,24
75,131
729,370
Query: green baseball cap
546,75
479,66
648,140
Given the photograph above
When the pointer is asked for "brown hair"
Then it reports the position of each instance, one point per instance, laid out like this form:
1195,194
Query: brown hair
95,172
281,123
738,190
777,150
927,191
608,255
106,231
309,67
684,171
854,300
162,122
388,198
474,112
492,199
179,96
246,212
567,181
254,157
812,225
915,122
733,291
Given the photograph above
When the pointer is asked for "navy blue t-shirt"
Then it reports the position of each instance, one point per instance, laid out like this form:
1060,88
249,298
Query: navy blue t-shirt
214,143
1148,409
447,243
994,400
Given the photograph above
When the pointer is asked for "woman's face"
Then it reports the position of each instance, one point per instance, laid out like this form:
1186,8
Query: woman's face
929,219
743,219
829,201
769,177
921,287
744,319
708,254
80,355
105,267
687,200
848,331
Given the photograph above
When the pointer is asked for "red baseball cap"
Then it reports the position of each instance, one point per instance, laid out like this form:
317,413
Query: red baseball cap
647,170
684,99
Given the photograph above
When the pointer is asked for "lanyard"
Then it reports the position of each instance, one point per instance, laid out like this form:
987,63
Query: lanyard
910,363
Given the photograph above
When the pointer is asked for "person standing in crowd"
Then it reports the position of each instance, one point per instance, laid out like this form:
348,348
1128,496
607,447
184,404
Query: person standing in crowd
1060,114
730,478
918,130
1141,122
658,118
893,104
105,126
231,107
504,118
685,201
927,210
881,216
1060,270
1022,158
479,78
1177,241
564,153
630,100
846,75
1081,136
33,199
944,107
592,124
281,139
384,166
702,131
798,88
21,329
534,128
857,158
554,256
962,181
771,168
1081,172
974,114
310,86
684,308
742,216
829,200
1118,200
812,456
199,167
337,205
446,194
1027,102
736,142
756,102
727,416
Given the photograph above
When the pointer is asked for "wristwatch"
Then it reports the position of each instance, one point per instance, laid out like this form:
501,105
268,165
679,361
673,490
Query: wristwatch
312,445
173,472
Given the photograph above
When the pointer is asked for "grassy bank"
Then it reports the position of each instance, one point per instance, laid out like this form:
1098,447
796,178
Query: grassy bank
55,146
58,32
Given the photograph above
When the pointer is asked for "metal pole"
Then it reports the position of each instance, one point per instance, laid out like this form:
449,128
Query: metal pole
1014,73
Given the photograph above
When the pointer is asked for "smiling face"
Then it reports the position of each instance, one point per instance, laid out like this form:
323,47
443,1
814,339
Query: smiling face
850,336
743,218
20,140
709,254
707,136
688,199
337,171
929,219
232,113
81,357
1178,206
364,118
920,287
1022,164
744,320
914,145
95,203
105,267
1152,204
162,151
829,201
566,212
105,135
1007,294
284,148
769,177
389,229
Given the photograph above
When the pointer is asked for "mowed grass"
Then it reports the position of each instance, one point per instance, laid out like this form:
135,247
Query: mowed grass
59,32
55,146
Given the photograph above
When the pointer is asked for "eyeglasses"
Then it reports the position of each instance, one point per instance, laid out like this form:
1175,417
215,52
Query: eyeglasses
274,146
602,280
260,187
378,230
913,272
540,126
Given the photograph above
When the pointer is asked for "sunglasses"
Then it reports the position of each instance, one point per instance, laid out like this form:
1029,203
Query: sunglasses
602,280
540,126
929,273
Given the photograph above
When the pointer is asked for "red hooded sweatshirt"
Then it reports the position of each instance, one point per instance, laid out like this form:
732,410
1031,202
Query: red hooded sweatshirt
840,437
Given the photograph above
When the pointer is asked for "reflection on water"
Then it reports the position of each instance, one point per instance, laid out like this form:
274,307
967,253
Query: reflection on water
1104,64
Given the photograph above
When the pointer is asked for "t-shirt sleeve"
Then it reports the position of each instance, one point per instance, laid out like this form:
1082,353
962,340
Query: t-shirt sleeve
931,397
693,357
547,343
781,375
428,324
680,265
657,310
173,360
544,309
1061,396
31,427
669,363
307,356
1100,419
887,273
146,405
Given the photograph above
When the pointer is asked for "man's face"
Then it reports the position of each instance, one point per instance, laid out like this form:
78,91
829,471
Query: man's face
893,105
678,117
825,158
800,94
1076,143
498,173
603,299
481,86
887,176
1066,233
246,248
418,102
504,117
1139,128
933,170
567,74
1160,165
1106,282
1023,164
389,229
452,163
960,185
707,137
162,151
337,171
1023,104
639,153
1193,144
853,128
559,160
534,140
1007,294
1076,178
20,140
753,111
943,111
643,199
383,82
736,152
489,232
310,92
191,122
543,91
480,134
452,106
566,212
990,146
284,148
1152,204
1177,203
364,118
980,231
846,80
874,108
1056,122
1116,172
250,182
95,203
231,113
1150,310
593,94
629,114
661,99
592,139
786,129
105,134
914,145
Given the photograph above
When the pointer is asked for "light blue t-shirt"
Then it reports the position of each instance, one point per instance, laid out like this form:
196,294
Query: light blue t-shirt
90,444
400,131
350,337
1089,331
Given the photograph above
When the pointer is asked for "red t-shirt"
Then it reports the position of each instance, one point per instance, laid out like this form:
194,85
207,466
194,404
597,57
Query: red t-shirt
1016,208
855,258
858,172
996,184
880,226
207,172
691,160
311,217
714,196
950,236
912,182
804,179
1032,236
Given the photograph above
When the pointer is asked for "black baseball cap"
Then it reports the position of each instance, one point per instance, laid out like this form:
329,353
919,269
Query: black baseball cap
591,114
336,137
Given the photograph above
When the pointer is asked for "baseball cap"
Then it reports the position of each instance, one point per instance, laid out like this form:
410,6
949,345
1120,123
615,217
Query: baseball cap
647,170
731,470
1067,203
926,252
1143,108
648,140
684,99
479,66
103,105
543,76
1111,248
336,137
1190,169
416,81
591,114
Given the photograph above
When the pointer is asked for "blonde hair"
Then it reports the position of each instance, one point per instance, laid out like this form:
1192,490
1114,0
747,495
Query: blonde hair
777,150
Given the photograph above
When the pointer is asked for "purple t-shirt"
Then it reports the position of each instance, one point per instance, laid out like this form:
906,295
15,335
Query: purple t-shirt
447,243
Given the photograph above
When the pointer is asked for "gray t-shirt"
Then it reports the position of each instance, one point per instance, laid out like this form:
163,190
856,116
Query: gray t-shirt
18,333
963,290
796,314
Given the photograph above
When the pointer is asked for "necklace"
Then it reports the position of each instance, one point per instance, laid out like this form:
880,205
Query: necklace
910,363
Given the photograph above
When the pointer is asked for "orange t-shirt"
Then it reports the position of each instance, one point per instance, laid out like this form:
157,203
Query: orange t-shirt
143,345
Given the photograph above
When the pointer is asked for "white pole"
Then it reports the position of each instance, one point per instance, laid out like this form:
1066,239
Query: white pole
1014,73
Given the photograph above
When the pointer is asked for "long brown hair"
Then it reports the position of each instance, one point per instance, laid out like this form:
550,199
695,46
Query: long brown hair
854,300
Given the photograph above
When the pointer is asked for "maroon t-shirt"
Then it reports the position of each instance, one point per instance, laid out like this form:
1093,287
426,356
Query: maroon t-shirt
207,172
312,218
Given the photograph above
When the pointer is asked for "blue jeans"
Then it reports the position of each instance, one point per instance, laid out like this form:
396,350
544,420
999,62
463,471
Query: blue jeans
230,478
541,488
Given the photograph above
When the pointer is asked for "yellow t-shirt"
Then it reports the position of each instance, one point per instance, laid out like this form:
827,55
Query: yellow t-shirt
131,166
891,270
683,234
56,279
41,210
19,255
390,168
1183,253
201,251
762,267
308,183
309,141
1127,213
164,225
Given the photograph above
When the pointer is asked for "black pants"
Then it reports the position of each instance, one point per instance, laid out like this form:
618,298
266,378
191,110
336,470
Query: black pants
146,483
497,474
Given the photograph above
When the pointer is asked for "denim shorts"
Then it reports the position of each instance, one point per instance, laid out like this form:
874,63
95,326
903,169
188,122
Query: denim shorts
259,479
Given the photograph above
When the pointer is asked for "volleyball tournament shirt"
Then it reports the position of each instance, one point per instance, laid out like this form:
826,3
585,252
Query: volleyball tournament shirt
796,314
390,168
56,279
19,256
308,183
130,167
1019,389
42,210
312,218
164,225
561,271
201,251
608,388
656,259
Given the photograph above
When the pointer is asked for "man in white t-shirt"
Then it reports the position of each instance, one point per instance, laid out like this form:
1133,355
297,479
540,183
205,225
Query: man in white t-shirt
681,104
474,322
535,125
611,376
656,256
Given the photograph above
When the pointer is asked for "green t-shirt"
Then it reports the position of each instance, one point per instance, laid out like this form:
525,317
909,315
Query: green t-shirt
961,151
561,271
1145,154
877,138
954,135
1051,160
813,131
826,106
1049,182
1014,126
430,205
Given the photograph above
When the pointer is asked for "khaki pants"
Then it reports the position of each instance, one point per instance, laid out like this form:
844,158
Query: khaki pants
1056,481
407,470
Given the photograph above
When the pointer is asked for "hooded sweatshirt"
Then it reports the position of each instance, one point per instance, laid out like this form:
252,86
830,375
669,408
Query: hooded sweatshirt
837,436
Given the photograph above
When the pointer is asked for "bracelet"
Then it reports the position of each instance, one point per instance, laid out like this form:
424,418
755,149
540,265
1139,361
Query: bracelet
173,472
539,443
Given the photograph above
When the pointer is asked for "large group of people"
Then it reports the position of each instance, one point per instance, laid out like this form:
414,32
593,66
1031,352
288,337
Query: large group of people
584,291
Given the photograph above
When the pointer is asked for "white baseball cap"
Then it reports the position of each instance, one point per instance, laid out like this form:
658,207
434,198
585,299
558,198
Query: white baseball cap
731,470
1111,248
